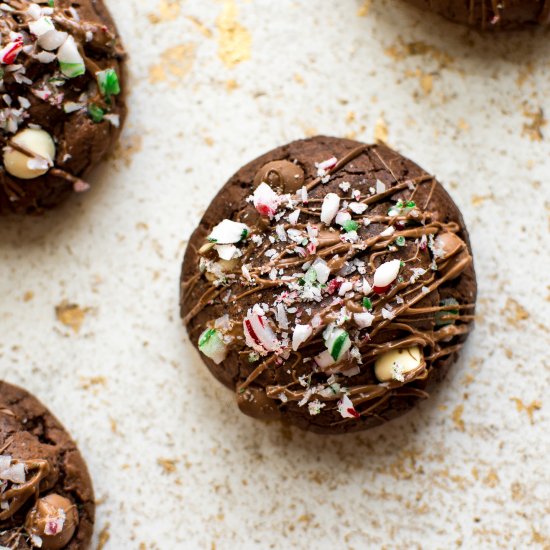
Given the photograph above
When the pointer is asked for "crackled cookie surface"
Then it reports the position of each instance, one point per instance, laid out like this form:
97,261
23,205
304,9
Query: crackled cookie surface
330,283
62,101
491,14
46,495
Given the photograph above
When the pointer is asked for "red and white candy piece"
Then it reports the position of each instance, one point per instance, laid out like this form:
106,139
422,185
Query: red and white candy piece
301,334
266,201
9,54
323,168
331,205
258,333
346,408
385,275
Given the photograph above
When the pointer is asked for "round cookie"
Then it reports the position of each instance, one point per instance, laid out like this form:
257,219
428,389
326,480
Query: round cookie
491,14
46,495
62,103
337,307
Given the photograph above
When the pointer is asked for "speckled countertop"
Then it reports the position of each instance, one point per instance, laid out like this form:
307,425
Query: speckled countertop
214,83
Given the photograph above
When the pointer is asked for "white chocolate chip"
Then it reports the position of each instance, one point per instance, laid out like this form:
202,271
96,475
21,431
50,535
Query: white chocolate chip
394,364
36,141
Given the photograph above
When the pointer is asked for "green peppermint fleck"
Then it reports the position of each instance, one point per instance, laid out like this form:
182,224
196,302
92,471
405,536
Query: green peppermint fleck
206,336
311,275
350,225
448,315
400,241
51,3
367,303
95,112
108,82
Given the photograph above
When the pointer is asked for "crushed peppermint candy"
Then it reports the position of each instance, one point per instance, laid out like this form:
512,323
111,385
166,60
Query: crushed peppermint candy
324,168
331,205
314,407
346,408
266,201
385,275
301,334
229,232
258,333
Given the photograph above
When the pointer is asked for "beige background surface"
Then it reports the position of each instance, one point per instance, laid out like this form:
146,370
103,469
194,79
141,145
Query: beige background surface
213,84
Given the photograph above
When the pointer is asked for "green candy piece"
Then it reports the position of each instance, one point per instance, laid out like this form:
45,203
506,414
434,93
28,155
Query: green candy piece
338,345
367,303
72,70
108,82
311,275
447,316
95,113
350,225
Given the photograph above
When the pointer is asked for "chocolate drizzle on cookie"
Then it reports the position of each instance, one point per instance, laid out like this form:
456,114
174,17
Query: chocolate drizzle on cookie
337,298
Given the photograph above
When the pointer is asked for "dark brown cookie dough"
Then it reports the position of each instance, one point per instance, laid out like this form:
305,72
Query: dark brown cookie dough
62,102
491,14
337,307
46,495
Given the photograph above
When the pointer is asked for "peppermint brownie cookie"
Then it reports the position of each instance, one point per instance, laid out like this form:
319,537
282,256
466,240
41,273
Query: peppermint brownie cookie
331,284
62,102
46,495
491,14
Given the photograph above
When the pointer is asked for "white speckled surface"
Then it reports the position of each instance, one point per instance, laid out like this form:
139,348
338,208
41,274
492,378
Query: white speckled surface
468,468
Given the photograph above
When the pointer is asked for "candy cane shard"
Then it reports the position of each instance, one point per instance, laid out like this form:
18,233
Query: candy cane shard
301,334
337,341
266,201
258,333
70,60
385,275
346,408
228,232
331,205
212,345
9,54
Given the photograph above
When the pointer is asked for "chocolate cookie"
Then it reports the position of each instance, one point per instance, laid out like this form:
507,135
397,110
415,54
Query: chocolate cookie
62,103
330,283
46,495
491,14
